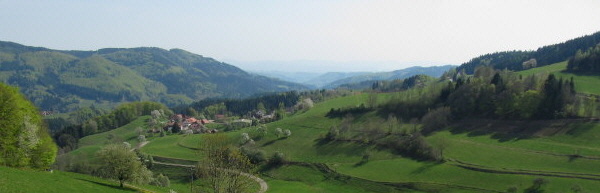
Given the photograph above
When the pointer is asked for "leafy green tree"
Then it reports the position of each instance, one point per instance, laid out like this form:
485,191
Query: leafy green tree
24,141
278,132
223,166
436,119
287,133
120,163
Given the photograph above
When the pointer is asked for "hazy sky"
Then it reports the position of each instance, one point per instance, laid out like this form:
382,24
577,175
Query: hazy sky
311,35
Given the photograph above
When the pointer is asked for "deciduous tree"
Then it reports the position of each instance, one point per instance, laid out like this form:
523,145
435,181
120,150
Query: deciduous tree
120,163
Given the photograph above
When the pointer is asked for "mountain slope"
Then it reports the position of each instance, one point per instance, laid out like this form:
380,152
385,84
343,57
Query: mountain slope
522,60
66,80
328,78
297,77
434,71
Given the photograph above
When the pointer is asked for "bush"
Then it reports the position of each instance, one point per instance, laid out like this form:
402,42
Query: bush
245,138
333,134
162,181
256,156
278,132
277,159
412,145
436,119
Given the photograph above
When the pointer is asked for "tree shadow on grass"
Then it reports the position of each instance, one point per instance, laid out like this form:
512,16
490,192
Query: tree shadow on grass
273,141
108,185
425,167
337,147
509,130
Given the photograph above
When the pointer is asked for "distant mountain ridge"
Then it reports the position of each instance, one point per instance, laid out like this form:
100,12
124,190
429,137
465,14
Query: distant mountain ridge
433,71
329,77
297,77
63,81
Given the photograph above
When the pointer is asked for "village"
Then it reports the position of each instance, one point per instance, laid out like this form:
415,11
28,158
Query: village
186,124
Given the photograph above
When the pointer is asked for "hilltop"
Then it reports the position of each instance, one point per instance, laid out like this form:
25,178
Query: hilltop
518,60
63,81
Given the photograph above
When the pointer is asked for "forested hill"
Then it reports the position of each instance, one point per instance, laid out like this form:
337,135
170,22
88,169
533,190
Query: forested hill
63,81
434,71
522,60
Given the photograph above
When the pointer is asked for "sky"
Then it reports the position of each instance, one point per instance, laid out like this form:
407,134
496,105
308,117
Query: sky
307,36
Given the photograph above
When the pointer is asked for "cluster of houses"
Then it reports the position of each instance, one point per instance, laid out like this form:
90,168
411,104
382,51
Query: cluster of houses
186,124
191,125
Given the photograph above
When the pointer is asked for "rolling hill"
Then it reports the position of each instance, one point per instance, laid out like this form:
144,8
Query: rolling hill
584,83
523,60
63,81
434,71
17,180
476,160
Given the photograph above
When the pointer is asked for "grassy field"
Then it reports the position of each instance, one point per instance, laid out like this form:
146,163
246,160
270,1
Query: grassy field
16,180
89,145
126,133
537,156
564,153
583,83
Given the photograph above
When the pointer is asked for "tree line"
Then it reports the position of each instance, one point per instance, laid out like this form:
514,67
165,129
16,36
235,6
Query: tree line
585,61
522,60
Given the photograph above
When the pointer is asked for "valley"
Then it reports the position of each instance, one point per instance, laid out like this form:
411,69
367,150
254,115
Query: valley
154,120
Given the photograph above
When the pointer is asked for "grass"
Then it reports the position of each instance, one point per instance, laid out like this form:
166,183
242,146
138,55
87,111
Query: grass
17,180
482,149
293,178
168,147
126,133
583,83
89,145
546,152
404,170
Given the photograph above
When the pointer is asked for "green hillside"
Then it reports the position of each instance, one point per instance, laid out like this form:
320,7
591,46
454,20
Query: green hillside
15,180
476,161
89,145
583,83
522,60
65,81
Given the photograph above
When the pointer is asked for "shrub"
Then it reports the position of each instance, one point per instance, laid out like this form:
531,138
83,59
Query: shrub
436,119
162,181
278,132
277,159
255,155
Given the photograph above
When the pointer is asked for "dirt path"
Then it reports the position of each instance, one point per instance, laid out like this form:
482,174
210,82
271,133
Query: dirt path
142,144
263,185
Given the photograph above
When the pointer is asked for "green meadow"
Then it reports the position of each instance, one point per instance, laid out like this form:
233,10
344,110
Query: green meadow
583,83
